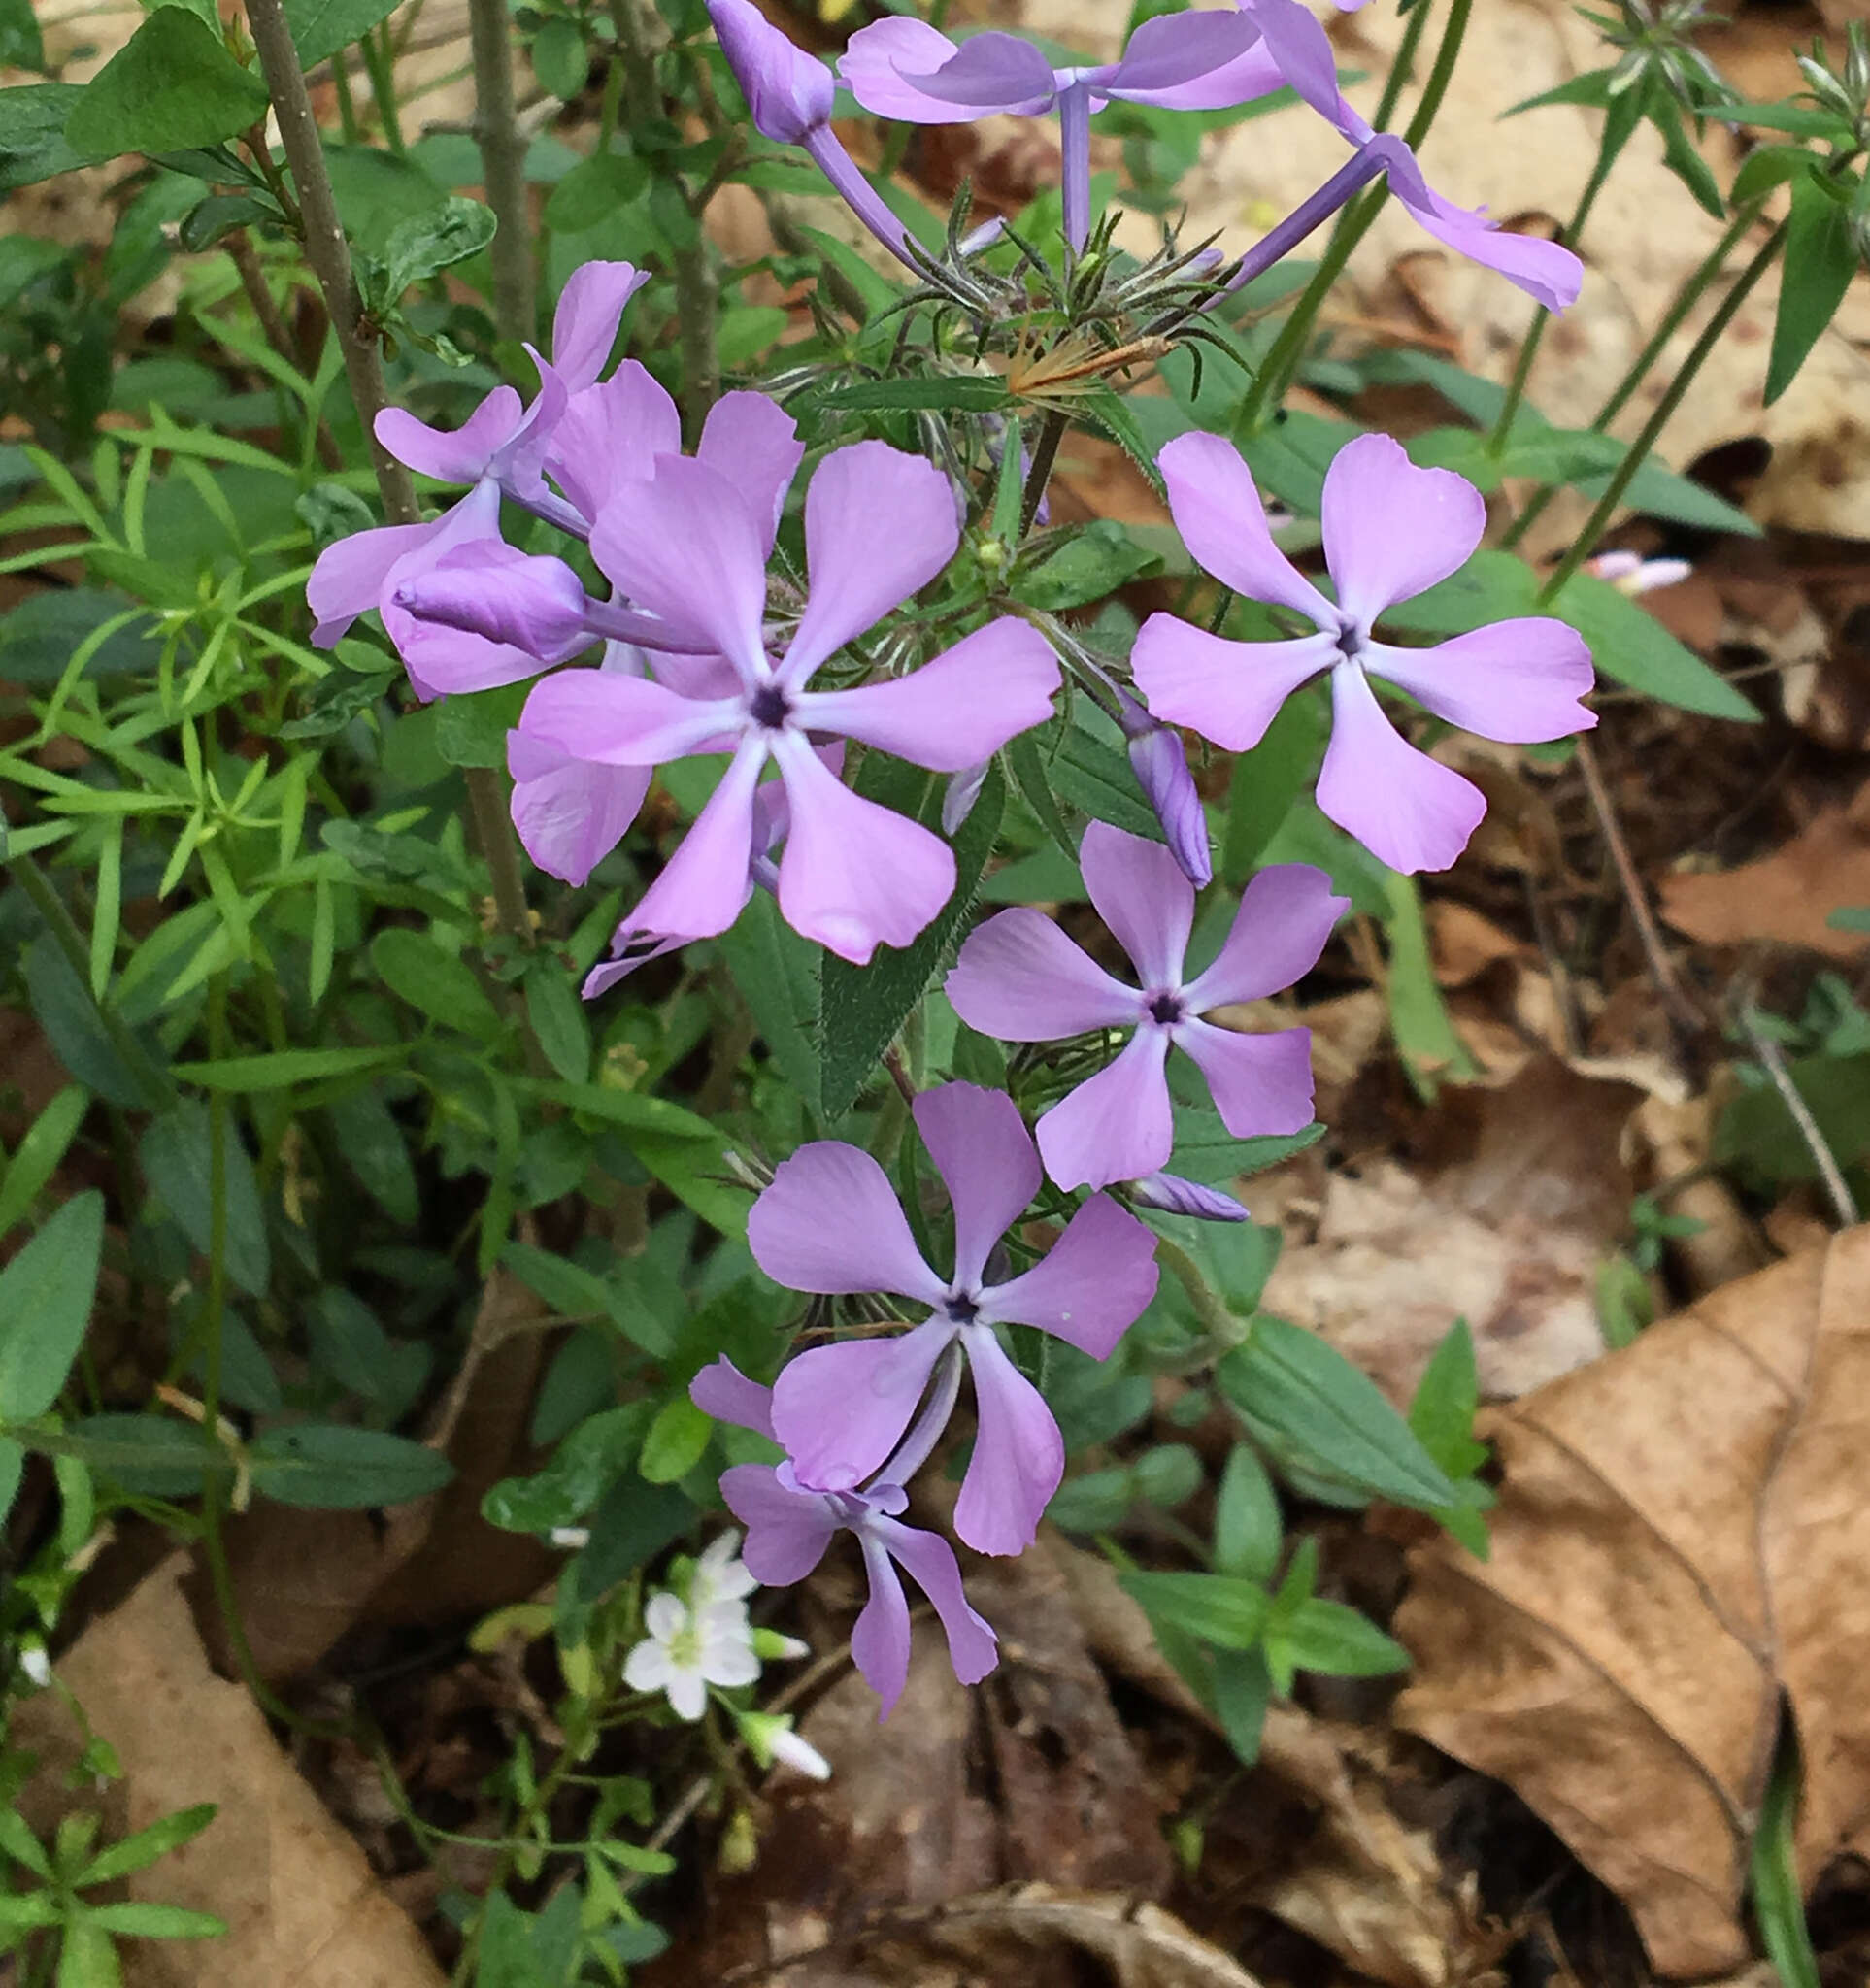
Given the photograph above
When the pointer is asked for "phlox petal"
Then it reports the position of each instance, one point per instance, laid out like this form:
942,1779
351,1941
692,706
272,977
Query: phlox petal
704,886
786,1530
1227,692
583,329
879,1639
1217,509
1118,1125
1262,1084
1019,1455
929,1562
841,1410
1391,529
987,1162
754,443
1141,893
1515,680
1020,978
1285,915
570,814
1096,1280
458,455
829,1222
1407,810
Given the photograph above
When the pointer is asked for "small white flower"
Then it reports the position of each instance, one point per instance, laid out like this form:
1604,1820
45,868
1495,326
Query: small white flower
1629,573
720,1580
689,1650
795,1752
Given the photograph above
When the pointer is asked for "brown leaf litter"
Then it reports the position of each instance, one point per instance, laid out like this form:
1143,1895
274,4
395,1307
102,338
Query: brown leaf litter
1682,1537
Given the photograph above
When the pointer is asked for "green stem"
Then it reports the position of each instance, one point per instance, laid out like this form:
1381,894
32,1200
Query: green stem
1615,135
153,1082
1282,361
1685,299
1639,450
1403,69
347,103
503,162
1222,1328
1044,452
381,61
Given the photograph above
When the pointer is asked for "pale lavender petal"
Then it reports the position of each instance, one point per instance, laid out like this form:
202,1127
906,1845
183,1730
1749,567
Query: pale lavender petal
1142,895
703,887
450,659
619,720
1019,1455
1093,1283
787,1530
1115,1126
789,93
590,308
878,525
629,949
962,791
1515,680
349,578
570,814
929,1561
986,1157
1171,61
1261,1085
1160,763
721,1390
1407,810
687,547
613,434
958,710
1285,915
841,1410
1227,692
1391,529
1020,978
1302,50
1217,509
1256,73
880,1638
854,875
1172,1195
754,443
923,78
829,1222
459,455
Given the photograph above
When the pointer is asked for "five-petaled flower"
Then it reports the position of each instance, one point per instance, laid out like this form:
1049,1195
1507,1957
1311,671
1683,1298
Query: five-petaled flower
1390,531
1020,978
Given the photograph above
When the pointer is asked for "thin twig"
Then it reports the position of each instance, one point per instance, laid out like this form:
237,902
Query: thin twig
1837,1190
1675,997
503,162
899,1075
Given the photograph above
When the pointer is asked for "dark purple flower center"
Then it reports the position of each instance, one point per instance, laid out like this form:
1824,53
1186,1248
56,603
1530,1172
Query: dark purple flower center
1166,1009
961,1309
769,707
1349,640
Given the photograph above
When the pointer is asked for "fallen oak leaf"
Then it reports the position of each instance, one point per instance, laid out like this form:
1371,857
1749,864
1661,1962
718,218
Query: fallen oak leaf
1682,1536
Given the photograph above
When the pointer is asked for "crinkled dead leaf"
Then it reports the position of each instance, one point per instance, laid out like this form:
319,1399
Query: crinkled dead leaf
1682,1535
301,1905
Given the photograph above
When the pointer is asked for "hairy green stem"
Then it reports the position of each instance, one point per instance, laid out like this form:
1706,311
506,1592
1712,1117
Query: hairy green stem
1222,1327
1282,362
503,162
1638,454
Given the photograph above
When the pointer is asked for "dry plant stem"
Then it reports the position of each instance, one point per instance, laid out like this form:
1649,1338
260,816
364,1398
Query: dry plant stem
253,281
503,159
1711,336
1675,997
1836,1188
1044,452
329,253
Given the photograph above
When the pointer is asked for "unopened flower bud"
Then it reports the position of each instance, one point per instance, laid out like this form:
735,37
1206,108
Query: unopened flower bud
538,603
789,93
1172,1195
1161,769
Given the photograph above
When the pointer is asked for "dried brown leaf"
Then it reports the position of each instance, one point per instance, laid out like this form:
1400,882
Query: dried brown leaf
1682,1535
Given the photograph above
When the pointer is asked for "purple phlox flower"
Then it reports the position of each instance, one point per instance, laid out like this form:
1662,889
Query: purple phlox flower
1629,573
499,450
1295,42
633,944
789,1525
1160,763
1390,531
789,96
1203,60
830,1223
690,548
1020,978
1170,1194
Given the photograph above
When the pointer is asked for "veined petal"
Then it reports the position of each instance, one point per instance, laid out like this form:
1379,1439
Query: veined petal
619,720
1407,810
854,875
590,308
894,69
1020,978
704,886
1169,59
349,578
687,547
987,1159
929,1562
841,1410
1141,893
721,1390
1227,692
1287,913
1115,1126
1515,680
613,434
787,1530
958,710
1096,1280
570,814
829,1222
458,455
881,1637
1215,506
878,525
1303,51
1391,529
754,443
1019,1455
789,93
1262,1084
